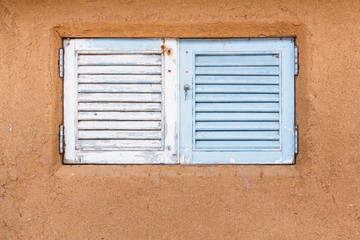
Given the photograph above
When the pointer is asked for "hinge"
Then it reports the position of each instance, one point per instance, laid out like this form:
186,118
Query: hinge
61,62
61,138
296,138
296,56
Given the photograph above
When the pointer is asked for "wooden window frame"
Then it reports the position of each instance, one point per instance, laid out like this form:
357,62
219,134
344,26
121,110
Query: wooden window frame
174,149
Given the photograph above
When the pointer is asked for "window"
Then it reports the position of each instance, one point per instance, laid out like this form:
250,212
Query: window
187,101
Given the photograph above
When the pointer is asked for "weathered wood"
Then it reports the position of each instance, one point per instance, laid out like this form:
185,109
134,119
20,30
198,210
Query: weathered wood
125,107
119,59
232,126
218,79
98,78
119,97
119,88
106,134
246,89
237,107
238,135
237,70
118,144
120,116
237,60
226,117
234,98
119,70
119,125
224,145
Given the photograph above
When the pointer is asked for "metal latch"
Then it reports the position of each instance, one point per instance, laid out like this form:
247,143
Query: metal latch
296,138
61,138
296,56
61,62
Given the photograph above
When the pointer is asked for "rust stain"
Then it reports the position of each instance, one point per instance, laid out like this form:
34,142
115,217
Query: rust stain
165,49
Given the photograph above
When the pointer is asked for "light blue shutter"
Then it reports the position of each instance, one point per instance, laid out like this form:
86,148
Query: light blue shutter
240,105
114,101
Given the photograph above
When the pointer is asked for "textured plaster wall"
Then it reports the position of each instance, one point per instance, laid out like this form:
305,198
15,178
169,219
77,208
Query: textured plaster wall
318,198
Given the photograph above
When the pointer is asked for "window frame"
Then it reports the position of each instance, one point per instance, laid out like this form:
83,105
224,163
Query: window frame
174,149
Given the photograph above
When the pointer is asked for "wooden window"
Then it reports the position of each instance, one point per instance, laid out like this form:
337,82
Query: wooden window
235,99
237,104
115,92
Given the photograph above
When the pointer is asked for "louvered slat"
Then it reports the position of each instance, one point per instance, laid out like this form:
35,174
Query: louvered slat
237,102
119,97
120,101
97,78
238,60
119,88
237,107
234,98
120,116
119,125
111,134
224,117
256,70
233,79
119,59
116,144
231,126
121,107
238,145
119,70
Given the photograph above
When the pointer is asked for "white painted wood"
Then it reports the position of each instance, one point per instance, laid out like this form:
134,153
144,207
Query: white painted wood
121,125
119,116
122,107
171,105
125,88
118,144
111,134
119,70
119,59
119,97
70,98
119,78
125,97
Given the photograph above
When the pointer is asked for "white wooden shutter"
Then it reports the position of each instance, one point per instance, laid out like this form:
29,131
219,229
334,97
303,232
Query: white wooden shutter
119,98
240,106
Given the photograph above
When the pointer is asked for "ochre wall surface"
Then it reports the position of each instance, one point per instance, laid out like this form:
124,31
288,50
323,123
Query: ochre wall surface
318,198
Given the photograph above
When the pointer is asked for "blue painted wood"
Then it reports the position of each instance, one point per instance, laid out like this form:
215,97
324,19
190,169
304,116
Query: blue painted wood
248,71
240,107
237,135
237,107
224,117
203,79
238,60
237,89
235,98
226,145
232,126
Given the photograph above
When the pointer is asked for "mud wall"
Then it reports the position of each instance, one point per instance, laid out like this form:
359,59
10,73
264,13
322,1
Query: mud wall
318,198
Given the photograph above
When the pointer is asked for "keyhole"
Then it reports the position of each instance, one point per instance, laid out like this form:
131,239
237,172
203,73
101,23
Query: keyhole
186,88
